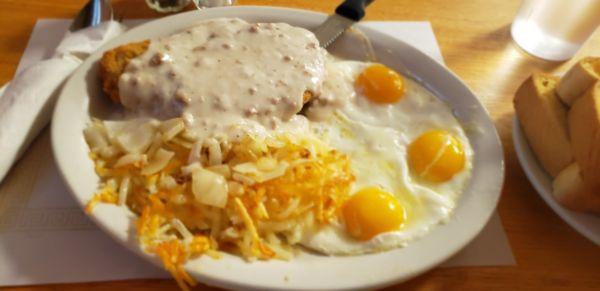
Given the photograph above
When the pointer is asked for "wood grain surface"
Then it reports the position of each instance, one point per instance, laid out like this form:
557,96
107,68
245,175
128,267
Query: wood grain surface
475,41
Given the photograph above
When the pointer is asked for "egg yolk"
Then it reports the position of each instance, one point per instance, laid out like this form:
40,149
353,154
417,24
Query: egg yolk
436,156
380,84
372,211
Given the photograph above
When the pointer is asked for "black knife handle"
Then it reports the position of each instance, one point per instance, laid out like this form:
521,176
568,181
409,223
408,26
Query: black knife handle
353,9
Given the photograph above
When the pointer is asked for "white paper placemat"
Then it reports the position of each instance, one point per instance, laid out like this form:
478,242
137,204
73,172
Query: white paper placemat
46,238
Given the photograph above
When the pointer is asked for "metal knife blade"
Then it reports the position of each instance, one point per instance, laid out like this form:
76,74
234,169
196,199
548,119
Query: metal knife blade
346,14
332,28
92,14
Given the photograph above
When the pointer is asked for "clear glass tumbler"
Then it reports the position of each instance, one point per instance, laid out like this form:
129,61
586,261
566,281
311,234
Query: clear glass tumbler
555,29
168,6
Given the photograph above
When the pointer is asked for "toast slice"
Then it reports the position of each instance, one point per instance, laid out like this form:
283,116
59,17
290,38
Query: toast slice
579,79
584,127
569,190
544,121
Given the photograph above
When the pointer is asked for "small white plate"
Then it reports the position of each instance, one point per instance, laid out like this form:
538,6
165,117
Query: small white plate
586,224
82,98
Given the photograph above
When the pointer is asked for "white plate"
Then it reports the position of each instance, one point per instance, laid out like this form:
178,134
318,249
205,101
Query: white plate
82,97
586,224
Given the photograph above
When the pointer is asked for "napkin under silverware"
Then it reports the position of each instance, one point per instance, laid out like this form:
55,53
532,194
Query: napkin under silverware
27,103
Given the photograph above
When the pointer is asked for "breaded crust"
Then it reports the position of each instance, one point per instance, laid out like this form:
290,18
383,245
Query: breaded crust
114,62
307,96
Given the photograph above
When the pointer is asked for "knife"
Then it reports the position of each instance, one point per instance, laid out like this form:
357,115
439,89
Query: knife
348,13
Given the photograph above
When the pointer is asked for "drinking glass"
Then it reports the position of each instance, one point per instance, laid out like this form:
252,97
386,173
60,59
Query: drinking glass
167,6
555,29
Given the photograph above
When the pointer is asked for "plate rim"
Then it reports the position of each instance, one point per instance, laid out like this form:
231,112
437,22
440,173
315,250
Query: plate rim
496,147
524,153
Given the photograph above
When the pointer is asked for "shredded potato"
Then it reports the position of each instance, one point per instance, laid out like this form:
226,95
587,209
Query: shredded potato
274,186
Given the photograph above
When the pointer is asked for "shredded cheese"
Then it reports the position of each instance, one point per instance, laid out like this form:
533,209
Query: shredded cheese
274,185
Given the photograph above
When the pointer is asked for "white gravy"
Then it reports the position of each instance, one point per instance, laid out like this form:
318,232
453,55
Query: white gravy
225,73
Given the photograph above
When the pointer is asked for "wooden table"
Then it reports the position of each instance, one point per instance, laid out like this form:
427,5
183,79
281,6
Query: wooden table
475,41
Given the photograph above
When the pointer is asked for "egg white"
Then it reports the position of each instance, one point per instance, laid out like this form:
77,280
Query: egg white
376,137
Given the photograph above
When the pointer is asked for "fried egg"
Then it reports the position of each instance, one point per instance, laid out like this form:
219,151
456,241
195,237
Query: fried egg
409,154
